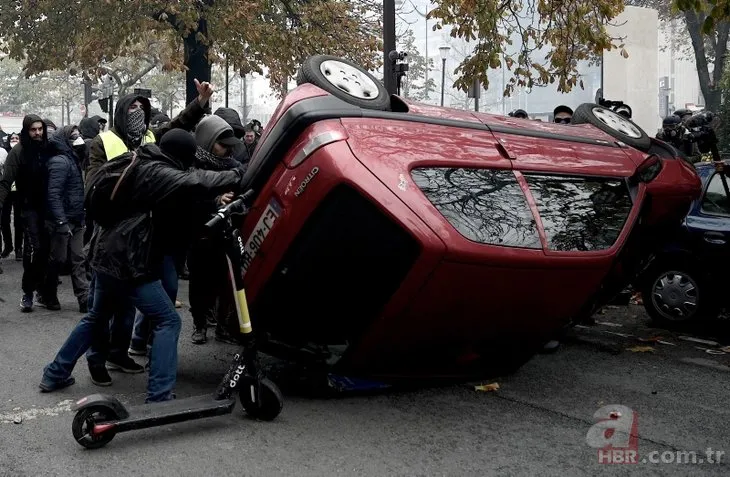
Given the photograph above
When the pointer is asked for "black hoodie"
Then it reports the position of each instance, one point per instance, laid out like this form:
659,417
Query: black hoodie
26,167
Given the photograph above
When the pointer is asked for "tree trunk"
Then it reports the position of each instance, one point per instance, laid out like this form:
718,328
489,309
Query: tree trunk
709,82
196,60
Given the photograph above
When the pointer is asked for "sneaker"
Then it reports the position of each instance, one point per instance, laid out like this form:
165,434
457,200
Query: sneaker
49,304
127,365
100,376
199,336
178,304
26,303
551,346
19,255
48,385
84,306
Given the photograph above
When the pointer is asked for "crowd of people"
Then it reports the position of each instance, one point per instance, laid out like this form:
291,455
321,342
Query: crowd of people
125,258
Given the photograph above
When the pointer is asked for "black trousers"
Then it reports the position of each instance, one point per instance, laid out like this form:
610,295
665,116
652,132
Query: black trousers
65,248
211,294
36,254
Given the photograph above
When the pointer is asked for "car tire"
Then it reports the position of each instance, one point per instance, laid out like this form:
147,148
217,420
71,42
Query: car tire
612,123
345,80
670,281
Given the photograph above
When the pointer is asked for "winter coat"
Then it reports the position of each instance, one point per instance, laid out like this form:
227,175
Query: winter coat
186,120
65,182
26,167
131,250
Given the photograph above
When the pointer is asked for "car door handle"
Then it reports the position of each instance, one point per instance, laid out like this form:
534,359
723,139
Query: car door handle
715,238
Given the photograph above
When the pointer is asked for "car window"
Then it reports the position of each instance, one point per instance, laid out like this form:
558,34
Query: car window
580,213
715,200
486,206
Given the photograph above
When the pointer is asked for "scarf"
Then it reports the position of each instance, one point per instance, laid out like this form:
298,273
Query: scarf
210,162
136,126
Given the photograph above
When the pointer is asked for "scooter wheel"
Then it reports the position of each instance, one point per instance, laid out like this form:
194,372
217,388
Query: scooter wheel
272,401
84,421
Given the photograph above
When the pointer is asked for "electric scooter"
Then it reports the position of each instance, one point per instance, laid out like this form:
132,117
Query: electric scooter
100,417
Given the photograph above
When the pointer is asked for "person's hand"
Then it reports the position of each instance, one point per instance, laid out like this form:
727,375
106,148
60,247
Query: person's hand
205,91
225,199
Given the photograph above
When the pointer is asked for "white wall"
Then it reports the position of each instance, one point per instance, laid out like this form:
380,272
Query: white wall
634,80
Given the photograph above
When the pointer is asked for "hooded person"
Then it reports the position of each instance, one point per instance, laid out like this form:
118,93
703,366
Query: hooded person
127,256
50,127
132,117
25,167
240,152
66,213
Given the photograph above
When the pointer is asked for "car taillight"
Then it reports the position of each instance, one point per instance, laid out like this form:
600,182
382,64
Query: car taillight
649,169
318,141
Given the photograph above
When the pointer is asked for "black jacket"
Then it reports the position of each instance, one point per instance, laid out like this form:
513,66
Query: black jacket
26,167
130,250
65,183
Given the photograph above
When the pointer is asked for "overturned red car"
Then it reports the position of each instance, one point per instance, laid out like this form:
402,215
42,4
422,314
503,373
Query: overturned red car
397,240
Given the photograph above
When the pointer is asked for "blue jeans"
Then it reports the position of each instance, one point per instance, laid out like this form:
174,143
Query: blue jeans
152,300
142,329
120,332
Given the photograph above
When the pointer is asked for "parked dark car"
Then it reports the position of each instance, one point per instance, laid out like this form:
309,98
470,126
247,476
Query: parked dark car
683,280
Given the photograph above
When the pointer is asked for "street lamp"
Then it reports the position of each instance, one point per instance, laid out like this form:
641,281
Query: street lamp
444,51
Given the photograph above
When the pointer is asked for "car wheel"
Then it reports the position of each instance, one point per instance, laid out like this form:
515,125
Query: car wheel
620,127
346,80
674,294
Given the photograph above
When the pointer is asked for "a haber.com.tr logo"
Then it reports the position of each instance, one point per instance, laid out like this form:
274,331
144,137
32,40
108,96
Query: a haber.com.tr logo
615,435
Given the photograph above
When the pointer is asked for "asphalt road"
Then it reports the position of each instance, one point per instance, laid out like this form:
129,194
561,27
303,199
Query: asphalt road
535,424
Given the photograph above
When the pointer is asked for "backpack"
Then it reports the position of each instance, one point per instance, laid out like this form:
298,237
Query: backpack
109,191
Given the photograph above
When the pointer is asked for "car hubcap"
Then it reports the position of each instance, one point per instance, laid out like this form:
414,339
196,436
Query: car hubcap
675,296
617,122
349,79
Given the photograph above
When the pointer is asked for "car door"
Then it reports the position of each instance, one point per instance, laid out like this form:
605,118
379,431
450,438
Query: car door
709,224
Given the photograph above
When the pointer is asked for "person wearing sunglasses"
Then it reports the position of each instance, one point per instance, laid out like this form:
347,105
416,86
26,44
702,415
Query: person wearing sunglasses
562,114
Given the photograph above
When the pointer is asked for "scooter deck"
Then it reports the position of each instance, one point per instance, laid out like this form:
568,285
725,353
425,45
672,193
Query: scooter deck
179,410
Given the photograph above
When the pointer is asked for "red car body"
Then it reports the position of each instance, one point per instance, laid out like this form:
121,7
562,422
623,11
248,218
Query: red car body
360,262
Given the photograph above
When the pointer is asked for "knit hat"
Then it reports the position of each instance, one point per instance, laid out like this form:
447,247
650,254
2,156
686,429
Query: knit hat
180,145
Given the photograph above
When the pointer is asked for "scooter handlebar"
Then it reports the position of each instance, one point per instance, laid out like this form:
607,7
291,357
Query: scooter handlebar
238,204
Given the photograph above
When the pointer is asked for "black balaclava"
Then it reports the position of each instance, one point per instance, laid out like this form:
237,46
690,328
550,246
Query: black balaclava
179,145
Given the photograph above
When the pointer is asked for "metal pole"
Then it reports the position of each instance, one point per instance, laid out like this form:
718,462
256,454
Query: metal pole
388,45
226,81
443,79
245,99
111,110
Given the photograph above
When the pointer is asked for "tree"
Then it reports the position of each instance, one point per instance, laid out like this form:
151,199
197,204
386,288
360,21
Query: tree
709,40
275,34
723,132
418,84
555,37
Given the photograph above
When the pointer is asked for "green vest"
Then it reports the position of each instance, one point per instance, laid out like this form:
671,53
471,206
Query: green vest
115,147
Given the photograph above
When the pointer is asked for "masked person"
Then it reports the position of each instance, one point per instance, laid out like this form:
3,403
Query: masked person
209,304
66,211
126,255
131,130
25,167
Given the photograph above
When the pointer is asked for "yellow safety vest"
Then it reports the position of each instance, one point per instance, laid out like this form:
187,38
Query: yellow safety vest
115,147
